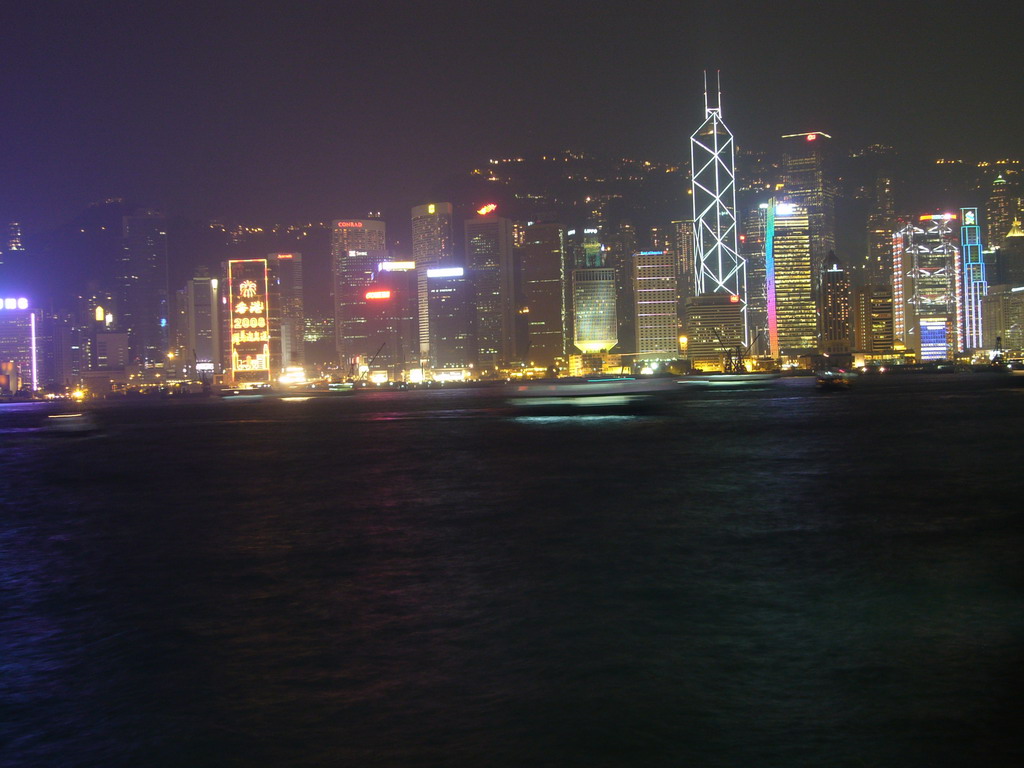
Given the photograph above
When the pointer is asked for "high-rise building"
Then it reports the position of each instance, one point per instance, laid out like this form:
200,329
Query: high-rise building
583,250
618,249
20,325
449,302
141,279
287,311
1003,318
713,328
718,266
872,320
490,265
357,246
391,321
835,307
881,227
202,337
1009,258
248,293
792,312
542,261
595,325
431,247
754,221
925,287
973,284
1000,210
682,245
655,293
808,181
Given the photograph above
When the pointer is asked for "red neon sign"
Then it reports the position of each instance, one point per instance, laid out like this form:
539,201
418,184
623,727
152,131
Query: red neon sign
342,224
734,299
489,208
371,295
812,137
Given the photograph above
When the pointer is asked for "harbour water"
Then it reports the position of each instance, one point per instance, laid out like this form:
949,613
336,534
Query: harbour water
768,577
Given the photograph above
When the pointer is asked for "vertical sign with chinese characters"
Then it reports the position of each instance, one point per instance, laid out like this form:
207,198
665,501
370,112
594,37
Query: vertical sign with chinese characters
250,320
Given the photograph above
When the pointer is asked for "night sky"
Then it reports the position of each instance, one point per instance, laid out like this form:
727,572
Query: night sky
297,111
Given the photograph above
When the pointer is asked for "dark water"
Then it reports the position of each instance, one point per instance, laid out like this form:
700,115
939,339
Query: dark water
770,578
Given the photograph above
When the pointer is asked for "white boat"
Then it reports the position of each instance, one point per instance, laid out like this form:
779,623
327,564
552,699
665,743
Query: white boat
596,394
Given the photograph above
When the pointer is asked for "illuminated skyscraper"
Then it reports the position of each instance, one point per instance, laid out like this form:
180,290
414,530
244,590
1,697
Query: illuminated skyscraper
718,266
357,246
450,307
713,328
541,258
249,321
835,307
925,287
807,178
431,247
20,327
141,280
201,334
792,312
489,261
1002,206
881,227
595,324
973,284
872,320
655,293
287,311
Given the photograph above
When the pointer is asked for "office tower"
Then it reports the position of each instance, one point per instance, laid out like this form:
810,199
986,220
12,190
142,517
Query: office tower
713,328
391,336
583,249
202,337
1003,318
357,246
1010,258
718,266
835,307
490,265
142,288
683,245
881,227
792,313
595,325
450,309
656,293
973,285
287,311
14,236
808,181
754,220
620,244
542,262
19,351
248,294
872,320
1000,209
925,266
431,247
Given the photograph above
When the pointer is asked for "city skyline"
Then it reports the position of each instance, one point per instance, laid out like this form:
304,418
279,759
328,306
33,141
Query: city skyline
270,113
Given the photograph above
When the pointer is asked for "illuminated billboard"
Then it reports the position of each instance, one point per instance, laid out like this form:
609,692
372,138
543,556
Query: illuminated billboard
250,320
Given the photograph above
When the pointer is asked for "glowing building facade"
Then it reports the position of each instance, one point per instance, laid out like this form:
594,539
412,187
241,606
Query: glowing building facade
431,247
926,287
655,294
792,312
19,345
974,287
595,321
248,297
357,246
718,266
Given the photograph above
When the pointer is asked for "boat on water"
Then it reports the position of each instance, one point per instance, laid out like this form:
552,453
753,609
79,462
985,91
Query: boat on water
591,395
729,380
71,424
834,379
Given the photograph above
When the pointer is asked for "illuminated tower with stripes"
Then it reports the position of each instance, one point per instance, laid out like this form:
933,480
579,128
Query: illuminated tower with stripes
718,266
973,284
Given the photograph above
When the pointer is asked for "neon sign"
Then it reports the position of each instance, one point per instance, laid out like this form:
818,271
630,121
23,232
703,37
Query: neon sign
15,304
378,295
250,320
349,224
446,272
489,208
